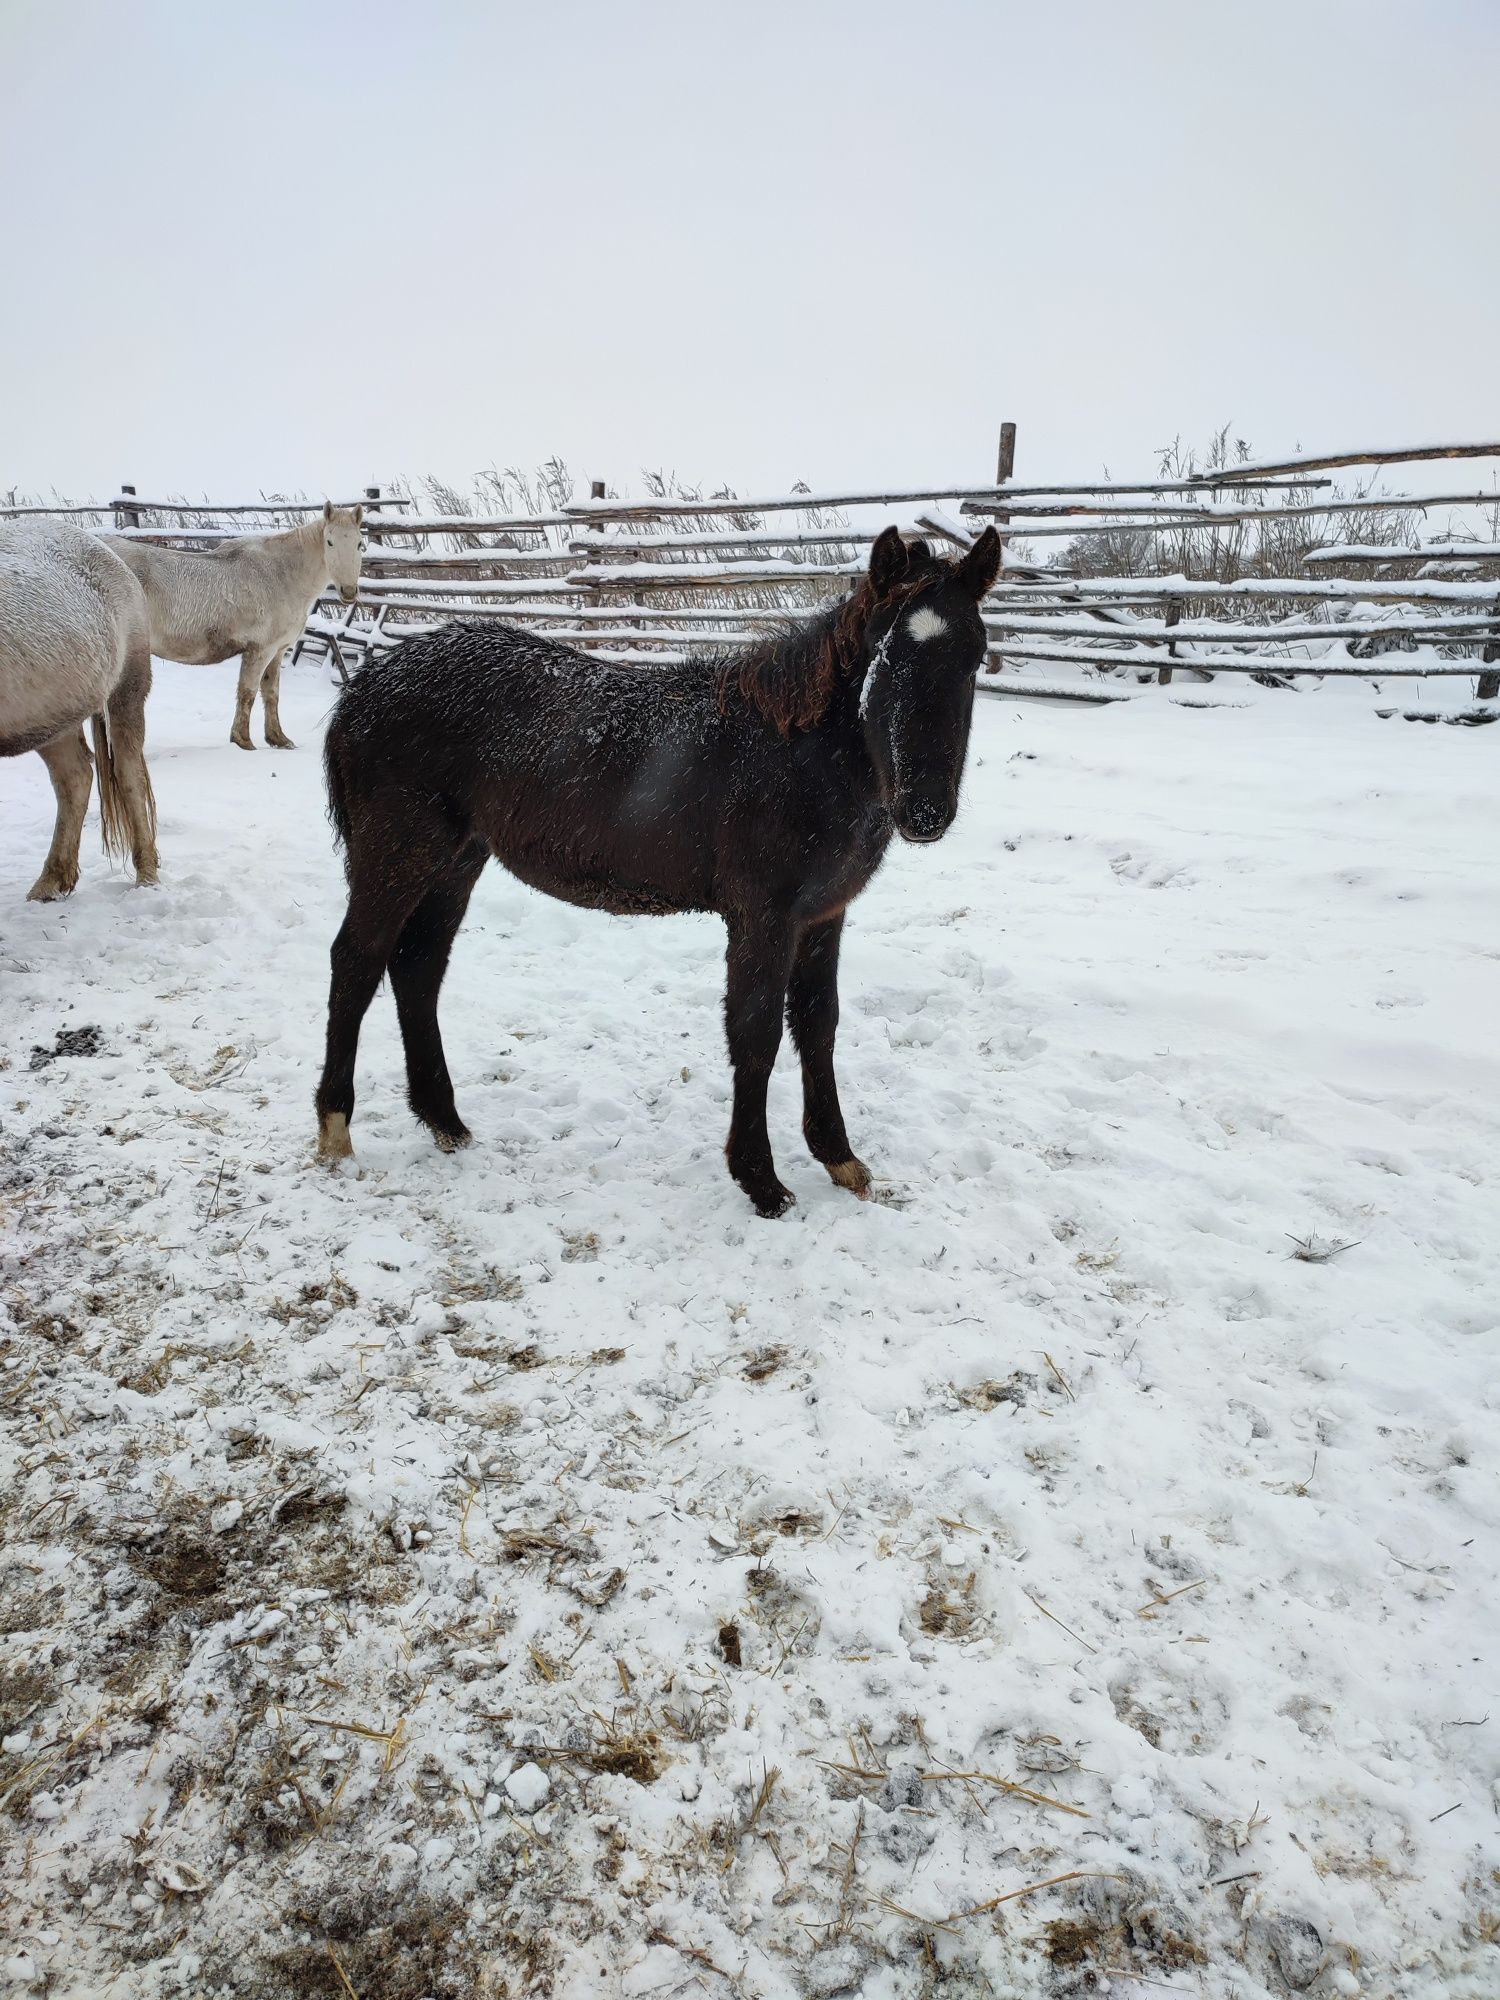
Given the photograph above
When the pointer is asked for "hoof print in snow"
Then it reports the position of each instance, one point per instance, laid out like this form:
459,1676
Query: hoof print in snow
1176,1712
902,1788
838,1968
889,1195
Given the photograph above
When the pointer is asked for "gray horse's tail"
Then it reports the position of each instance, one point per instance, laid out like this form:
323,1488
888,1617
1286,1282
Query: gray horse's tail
114,819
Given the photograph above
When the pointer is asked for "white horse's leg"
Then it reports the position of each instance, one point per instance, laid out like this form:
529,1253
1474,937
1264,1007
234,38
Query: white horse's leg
71,770
252,666
270,694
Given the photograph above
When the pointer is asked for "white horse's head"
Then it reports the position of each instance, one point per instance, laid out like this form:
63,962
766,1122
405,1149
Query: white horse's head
341,526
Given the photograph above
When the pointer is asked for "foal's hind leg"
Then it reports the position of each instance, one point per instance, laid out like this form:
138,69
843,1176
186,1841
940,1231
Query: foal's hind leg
270,695
72,771
379,905
813,1010
760,957
417,968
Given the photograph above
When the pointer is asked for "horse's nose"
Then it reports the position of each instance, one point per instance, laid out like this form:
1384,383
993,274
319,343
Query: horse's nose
926,817
348,591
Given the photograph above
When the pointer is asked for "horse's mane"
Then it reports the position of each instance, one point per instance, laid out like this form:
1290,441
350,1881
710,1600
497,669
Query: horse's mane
789,678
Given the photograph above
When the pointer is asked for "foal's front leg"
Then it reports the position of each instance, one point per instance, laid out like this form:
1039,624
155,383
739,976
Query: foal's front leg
760,959
812,1008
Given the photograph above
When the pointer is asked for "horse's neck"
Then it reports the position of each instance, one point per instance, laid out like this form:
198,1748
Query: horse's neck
842,735
304,554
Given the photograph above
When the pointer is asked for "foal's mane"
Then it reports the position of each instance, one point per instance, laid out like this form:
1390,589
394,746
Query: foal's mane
789,678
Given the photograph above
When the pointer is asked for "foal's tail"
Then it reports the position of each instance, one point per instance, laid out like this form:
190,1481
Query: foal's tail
333,778
114,817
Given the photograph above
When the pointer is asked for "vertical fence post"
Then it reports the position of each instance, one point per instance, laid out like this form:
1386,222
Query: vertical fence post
595,595
126,517
372,494
1489,684
1005,466
1174,612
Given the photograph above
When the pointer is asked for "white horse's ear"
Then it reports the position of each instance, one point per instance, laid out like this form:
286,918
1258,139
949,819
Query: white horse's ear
327,510
359,516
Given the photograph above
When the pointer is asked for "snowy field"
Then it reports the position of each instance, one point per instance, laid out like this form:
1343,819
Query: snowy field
526,1572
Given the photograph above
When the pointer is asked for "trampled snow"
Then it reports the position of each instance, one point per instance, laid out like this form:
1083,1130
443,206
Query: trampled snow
527,1571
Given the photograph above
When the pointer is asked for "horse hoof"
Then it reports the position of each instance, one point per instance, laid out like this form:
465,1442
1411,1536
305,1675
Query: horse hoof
851,1174
50,889
772,1205
241,742
334,1143
279,742
454,1142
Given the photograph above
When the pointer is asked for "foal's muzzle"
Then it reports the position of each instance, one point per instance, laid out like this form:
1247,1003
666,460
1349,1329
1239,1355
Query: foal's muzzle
923,820
348,591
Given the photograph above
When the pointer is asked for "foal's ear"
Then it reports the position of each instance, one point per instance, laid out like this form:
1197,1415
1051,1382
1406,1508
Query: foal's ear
359,517
887,562
327,510
981,565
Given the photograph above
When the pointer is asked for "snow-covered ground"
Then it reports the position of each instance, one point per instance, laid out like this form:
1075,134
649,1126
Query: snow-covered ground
525,1571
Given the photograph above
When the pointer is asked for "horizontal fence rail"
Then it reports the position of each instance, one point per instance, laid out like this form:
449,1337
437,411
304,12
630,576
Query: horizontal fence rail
1266,568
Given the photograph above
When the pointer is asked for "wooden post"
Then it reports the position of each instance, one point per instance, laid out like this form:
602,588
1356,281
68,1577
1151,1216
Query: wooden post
1005,466
126,517
1174,612
596,492
1489,684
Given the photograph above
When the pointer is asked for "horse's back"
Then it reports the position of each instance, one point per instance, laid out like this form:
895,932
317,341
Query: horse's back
570,770
208,605
72,616
509,695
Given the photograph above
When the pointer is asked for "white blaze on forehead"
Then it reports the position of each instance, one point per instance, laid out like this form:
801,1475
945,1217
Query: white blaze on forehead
924,624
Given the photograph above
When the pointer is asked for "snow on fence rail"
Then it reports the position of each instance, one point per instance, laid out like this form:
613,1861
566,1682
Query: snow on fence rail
646,580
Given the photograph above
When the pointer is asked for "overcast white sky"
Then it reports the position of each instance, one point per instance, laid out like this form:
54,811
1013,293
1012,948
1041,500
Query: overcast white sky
315,245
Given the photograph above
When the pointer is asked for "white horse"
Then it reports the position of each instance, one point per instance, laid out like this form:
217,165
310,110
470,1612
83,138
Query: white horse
251,596
75,643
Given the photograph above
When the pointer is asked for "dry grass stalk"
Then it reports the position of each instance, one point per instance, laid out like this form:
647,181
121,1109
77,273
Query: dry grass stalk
393,1740
846,1887
1062,1379
1010,1896
1315,1249
769,1775
657,1935
1058,1622
1146,1610
1007,1785
40,1766
463,1520
338,1967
